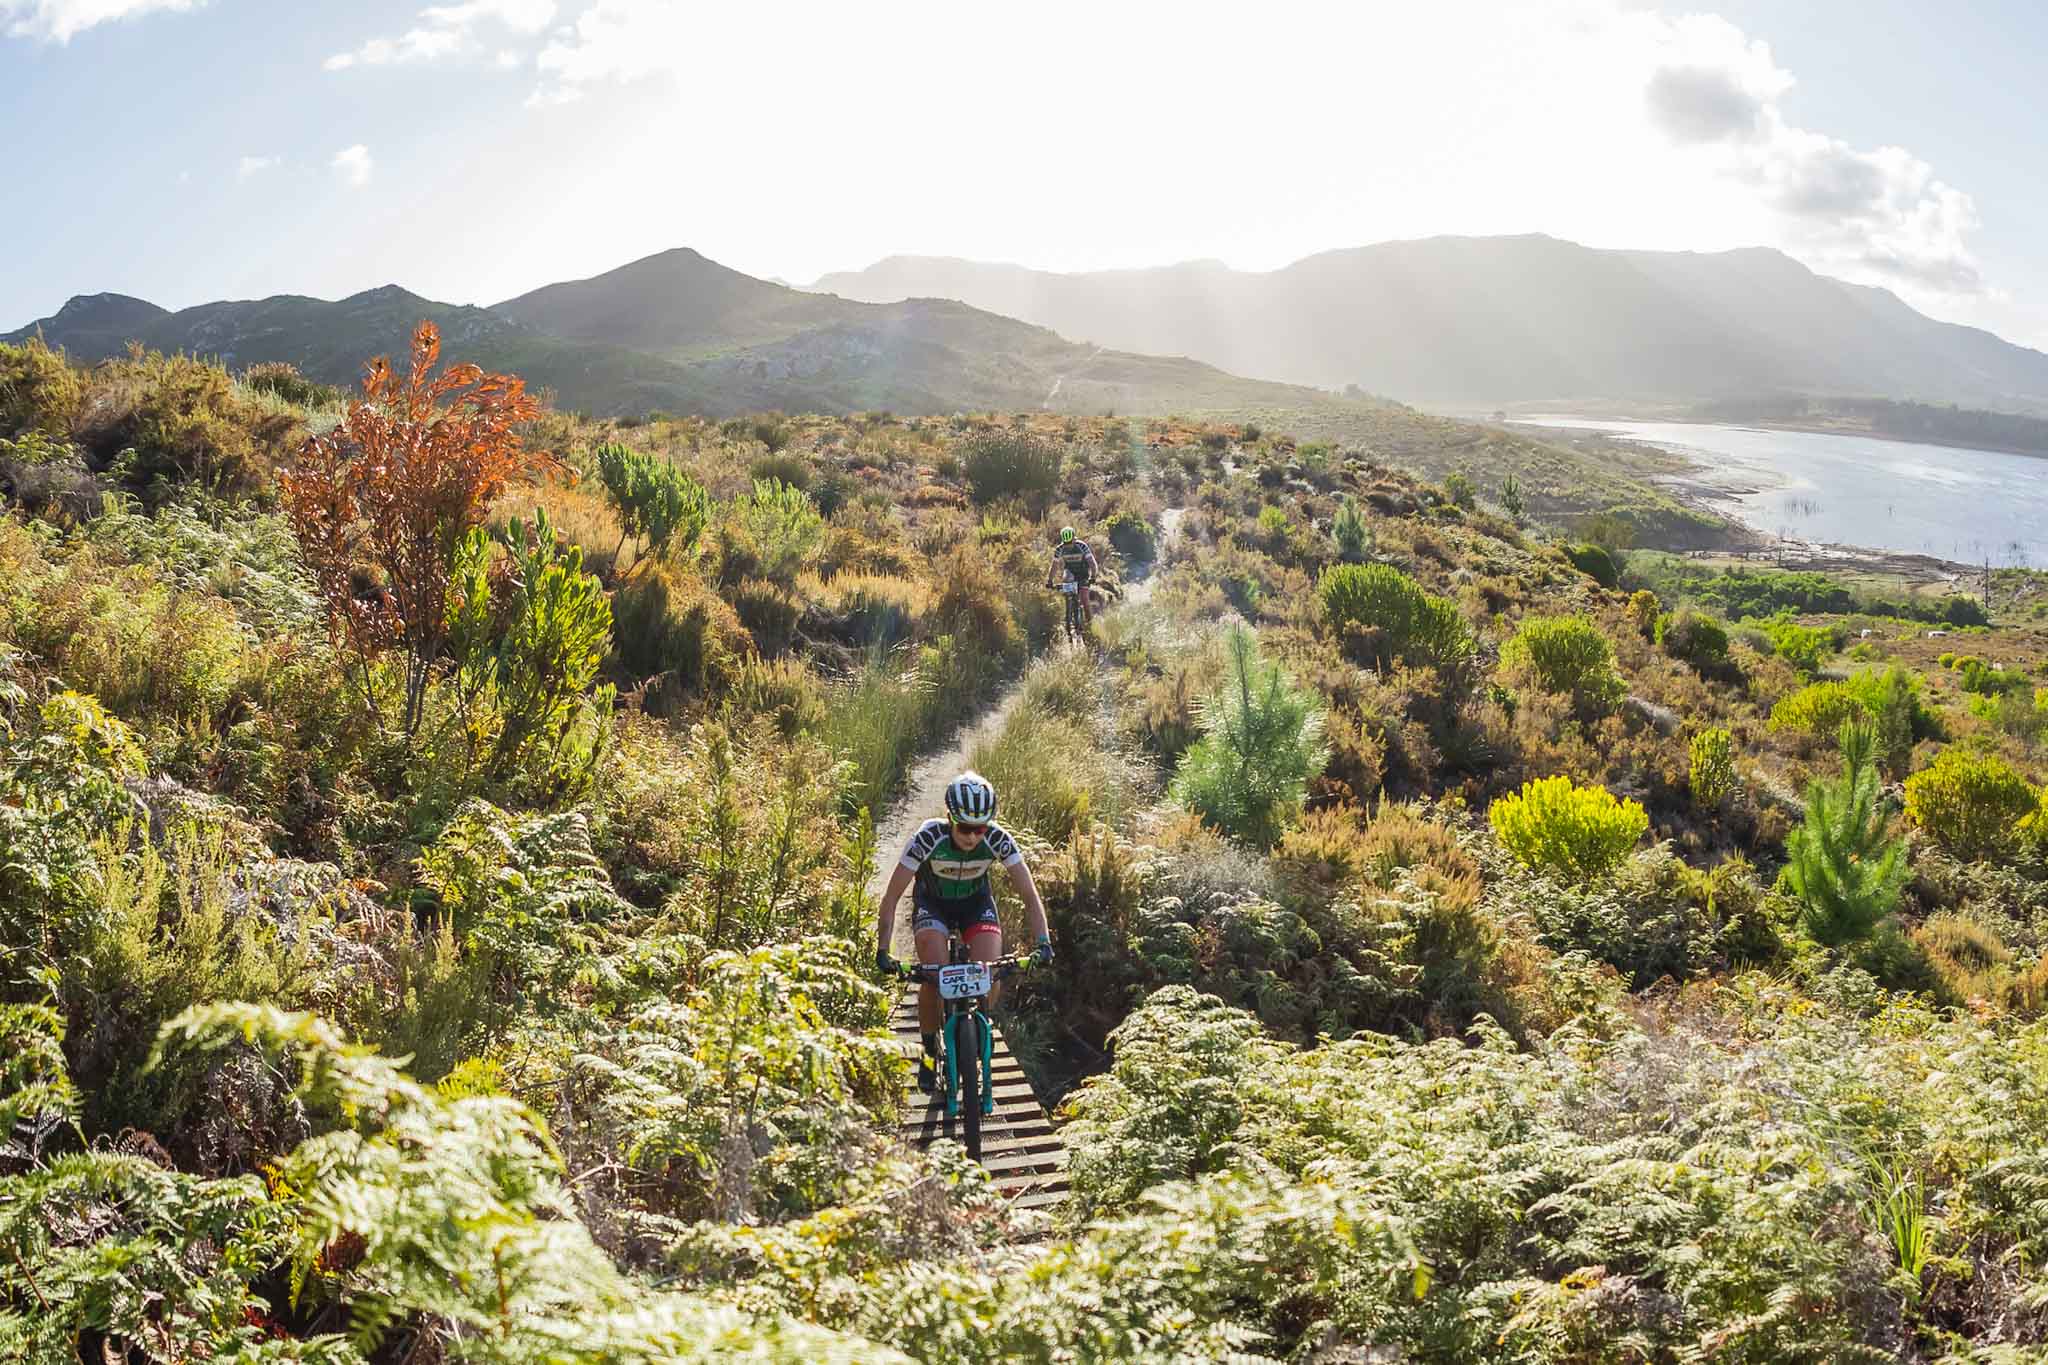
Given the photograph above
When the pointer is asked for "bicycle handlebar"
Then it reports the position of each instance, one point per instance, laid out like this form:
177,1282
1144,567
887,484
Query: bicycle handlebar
1002,967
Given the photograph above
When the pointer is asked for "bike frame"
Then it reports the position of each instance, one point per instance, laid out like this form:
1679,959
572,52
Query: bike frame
969,1011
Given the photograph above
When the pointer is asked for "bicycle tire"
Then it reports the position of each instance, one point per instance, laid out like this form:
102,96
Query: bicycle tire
969,1050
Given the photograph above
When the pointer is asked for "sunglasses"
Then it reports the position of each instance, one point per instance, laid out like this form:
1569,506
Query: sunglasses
960,827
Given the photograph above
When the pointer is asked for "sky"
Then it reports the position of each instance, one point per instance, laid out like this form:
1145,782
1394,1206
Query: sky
191,150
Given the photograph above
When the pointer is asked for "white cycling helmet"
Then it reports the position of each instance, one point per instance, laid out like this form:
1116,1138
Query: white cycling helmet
970,800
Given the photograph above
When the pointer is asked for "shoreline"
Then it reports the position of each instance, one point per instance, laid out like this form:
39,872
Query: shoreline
1694,486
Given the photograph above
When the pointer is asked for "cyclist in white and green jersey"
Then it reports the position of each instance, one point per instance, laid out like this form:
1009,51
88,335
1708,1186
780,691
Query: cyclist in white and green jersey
950,861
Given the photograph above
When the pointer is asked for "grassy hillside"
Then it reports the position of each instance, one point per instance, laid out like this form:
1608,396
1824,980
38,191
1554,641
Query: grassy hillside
1469,946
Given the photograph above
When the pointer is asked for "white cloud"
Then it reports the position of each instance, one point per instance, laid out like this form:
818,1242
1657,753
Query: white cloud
447,31
1879,214
61,20
353,165
254,165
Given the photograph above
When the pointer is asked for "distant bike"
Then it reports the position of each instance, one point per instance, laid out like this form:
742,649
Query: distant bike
966,1035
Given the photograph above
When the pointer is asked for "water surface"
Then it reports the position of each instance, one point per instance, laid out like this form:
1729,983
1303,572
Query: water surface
1947,501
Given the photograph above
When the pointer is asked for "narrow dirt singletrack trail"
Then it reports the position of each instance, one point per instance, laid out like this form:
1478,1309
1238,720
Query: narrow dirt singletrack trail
1020,1146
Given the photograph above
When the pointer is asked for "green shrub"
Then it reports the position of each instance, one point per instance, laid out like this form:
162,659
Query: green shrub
1131,535
1595,562
1841,865
1568,655
1806,648
1261,742
783,467
654,499
1555,826
39,391
1692,636
1712,769
538,653
188,425
1972,804
1011,464
1383,612
1458,491
784,690
668,624
1511,497
282,379
782,529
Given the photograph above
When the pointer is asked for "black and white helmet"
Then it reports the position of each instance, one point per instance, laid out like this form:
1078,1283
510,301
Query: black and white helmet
970,800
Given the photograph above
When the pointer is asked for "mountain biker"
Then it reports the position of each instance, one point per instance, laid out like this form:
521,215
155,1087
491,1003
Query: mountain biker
1073,557
951,861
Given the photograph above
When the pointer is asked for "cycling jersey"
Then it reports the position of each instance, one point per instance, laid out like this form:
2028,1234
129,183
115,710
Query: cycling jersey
1073,556
950,873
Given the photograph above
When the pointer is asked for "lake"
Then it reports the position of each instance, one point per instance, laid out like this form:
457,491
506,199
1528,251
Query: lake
1945,501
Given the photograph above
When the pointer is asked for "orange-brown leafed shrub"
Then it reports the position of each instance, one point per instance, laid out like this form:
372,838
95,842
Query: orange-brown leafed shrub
379,502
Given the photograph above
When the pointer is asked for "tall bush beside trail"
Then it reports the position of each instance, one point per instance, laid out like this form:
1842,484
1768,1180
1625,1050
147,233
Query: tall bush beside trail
1972,804
413,465
1262,741
1844,869
1818,709
1389,617
1011,464
1712,768
1552,825
1568,655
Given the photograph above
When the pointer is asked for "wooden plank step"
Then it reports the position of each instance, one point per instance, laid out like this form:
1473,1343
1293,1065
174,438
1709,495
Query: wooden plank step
1029,1162
1039,1199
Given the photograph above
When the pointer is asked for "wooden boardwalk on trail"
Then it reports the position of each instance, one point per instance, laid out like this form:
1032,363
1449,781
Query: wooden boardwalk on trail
1019,1148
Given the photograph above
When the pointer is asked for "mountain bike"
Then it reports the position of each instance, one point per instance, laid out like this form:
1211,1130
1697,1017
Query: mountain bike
1076,627
966,1036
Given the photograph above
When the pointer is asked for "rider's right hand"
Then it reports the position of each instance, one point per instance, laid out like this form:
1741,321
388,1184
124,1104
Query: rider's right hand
885,965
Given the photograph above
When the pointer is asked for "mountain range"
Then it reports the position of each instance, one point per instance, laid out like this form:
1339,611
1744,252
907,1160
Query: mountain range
1463,321
1505,320
681,333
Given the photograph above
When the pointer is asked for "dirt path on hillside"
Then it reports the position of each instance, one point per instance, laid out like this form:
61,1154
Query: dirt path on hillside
1059,380
926,796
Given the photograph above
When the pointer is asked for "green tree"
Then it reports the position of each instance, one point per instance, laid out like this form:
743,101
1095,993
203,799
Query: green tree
1353,536
1511,496
1844,869
1263,740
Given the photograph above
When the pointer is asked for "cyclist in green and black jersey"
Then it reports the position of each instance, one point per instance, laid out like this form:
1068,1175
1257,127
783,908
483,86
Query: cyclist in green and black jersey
950,861
1073,558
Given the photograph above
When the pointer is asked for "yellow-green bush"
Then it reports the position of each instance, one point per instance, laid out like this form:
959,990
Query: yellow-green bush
1567,655
1817,709
1972,804
1555,826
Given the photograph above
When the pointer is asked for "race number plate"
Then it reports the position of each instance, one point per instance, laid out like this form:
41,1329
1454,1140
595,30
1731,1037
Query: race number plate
964,980
1070,587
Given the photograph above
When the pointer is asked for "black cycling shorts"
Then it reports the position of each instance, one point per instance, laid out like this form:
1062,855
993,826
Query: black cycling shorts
963,915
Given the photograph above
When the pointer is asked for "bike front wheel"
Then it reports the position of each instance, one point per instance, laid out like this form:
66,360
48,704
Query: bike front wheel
969,1047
